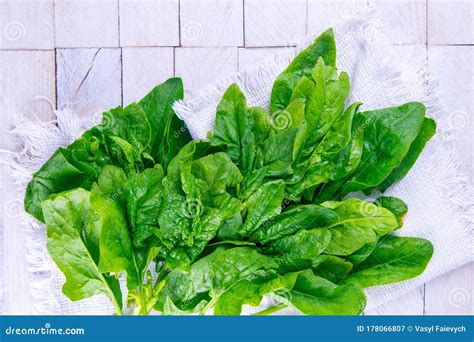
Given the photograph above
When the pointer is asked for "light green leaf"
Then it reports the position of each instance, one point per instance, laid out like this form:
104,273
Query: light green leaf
324,46
331,267
73,245
116,251
359,223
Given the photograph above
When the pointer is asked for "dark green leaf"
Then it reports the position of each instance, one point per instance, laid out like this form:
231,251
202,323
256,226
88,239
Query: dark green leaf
129,123
314,295
276,153
297,252
215,174
230,228
263,205
395,205
294,219
142,193
362,253
252,182
426,133
234,129
55,176
238,264
394,259
262,123
326,101
388,134
169,133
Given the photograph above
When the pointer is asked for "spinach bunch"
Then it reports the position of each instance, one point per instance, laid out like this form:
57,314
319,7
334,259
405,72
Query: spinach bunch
321,150
260,208
99,196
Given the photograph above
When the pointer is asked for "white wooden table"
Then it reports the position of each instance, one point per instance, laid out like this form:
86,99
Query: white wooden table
93,55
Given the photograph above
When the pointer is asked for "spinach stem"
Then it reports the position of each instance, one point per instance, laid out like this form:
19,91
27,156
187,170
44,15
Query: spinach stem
270,310
143,301
118,309
208,306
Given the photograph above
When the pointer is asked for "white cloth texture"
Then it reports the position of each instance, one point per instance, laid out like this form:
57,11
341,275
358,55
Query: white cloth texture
439,196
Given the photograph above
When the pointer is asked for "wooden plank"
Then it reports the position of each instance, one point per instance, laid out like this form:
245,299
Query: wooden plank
274,22
451,294
203,66
15,277
405,20
86,23
144,68
26,24
454,66
88,80
251,56
26,76
211,23
149,23
450,22
21,91
321,14
411,303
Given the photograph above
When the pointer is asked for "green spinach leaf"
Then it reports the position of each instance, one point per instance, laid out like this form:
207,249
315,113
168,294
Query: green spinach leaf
324,46
313,295
394,259
73,243
292,220
359,223
263,205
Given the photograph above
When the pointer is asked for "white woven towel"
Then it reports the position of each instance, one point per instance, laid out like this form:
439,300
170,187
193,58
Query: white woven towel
439,197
